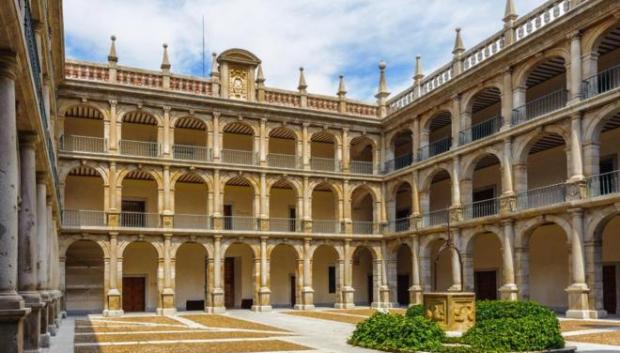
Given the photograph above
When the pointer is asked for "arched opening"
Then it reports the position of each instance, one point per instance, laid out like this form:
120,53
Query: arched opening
139,135
605,62
402,207
362,211
140,282
191,203
604,157
441,266
363,277
325,276
283,201
139,205
486,186
84,278
190,140
438,133
609,268
535,99
544,185
191,276
79,210
239,205
285,280
402,149
484,115
439,199
325,218
238,144
239,280
323,151
362,155
83,130
403,274
485,250
548,266
283,148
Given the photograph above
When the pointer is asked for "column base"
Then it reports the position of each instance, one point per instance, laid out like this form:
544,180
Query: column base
108,313
304,307
347,298
578,300
261,308
32,322
455,288
12,314
215,309
344,305
217,298
585,314
509,292
44,340
381,306
53,328
166,311
264,299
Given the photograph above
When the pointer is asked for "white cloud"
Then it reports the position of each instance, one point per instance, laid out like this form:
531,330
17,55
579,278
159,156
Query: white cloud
327,37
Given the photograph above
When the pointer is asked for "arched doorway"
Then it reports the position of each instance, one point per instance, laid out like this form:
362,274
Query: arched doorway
83,130
403,274
139,134
323,151
437,199
362,211
239,205
190,140
438,135
481,197
326,276
84,278
285,281
484,266
362,155
140,200
325,218
363,277
483,116
84,211
140,282
238,144
283,207
282,148
191,276
239,276
191,202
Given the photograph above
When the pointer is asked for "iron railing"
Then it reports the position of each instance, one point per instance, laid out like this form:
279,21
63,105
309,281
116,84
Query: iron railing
284,225
435,218
601,82
604,184
434,148
363,227
279,160
482,208
239,157
540,197
361,167
140,148
192,221
481,130
139,219
191,153
74,143
80,218
400,225
540,106
326,226
399,162
240,223
326,164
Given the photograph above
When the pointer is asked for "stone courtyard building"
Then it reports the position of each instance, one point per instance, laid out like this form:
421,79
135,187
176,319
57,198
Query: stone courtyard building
146,190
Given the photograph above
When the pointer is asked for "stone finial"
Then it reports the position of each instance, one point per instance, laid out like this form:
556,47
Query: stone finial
215,69
418,68
260,77
165,62
383,92
342,91
511,13
112,58
459,48
302,81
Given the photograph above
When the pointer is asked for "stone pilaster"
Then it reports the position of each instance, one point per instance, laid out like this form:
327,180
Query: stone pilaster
508,290
217,294
264,292
345,266
42,250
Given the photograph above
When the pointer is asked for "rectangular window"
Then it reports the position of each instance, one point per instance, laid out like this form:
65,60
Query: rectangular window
332,279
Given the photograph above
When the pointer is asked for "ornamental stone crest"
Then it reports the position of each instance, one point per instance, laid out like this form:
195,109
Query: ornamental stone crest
238,83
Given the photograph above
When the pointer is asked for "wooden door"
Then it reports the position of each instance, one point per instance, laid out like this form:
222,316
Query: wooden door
229,282
293,284
609,289
402,289
134,294
485,284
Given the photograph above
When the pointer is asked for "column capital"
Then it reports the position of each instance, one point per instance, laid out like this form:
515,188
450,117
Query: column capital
28,139
8,65
576,34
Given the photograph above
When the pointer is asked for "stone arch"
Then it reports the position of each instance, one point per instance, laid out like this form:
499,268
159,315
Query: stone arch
97,111
469,98
182,119
335,188
297,248
67,242
293,183
524,229
374,250
84,265
225,179
595,122
597,221
524,144
68,167
370,190
240,126
429,175
124,243
86,173
592,38
520,75
143,114
178,242
325,243
398,133
154,173
427,121
284,131
253,246
469,163
204,177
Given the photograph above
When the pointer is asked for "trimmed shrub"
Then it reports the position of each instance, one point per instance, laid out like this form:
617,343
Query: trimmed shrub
415,310
397,333
504,326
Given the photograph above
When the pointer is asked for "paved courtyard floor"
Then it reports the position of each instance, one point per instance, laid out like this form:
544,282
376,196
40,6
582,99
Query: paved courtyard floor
243,331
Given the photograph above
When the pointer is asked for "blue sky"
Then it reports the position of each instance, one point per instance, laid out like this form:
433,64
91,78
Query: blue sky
326,37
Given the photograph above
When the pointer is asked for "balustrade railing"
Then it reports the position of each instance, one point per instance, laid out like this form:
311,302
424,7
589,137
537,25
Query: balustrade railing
435,218
139,219
326,226
540,106
600,83
363,227
80,218
192,221
239,157
191,153
325,164
400,225
278,160
540,197
541,17
482,208
434,148
240,223
284,225
481,130
361,167
399,162
139,148
73,143
604,184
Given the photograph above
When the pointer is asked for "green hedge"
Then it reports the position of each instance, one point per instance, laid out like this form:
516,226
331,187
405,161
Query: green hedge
397,333
503,309
415,310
